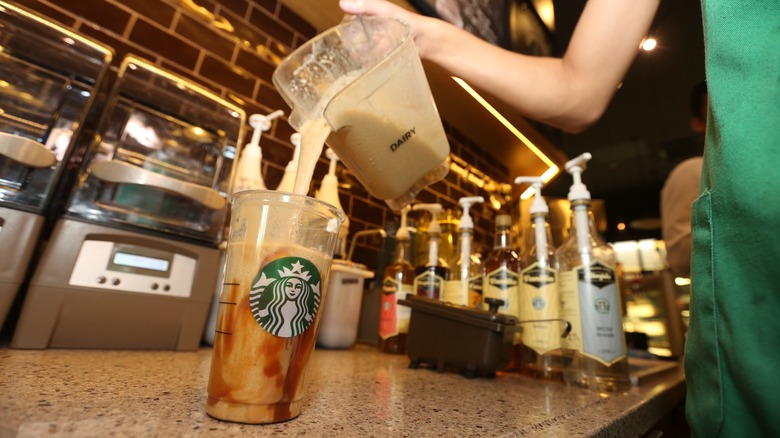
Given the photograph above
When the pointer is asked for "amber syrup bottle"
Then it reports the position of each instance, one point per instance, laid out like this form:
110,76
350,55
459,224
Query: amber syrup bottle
500,272
397,282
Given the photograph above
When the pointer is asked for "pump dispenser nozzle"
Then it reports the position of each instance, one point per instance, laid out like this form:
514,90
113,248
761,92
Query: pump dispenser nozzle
465,220
538,205
329,189
578,192
262,123
248,175
538,211
329,192
575,167
403,229
288,179
434,210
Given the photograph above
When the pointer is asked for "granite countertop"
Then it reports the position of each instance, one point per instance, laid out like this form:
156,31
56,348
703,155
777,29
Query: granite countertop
355,392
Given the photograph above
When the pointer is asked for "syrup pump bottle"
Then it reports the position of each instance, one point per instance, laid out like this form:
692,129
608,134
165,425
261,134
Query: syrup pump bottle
500,281
539,353
397,282
501,267
594,354
287,184
430,278
465,286
329,192
248,175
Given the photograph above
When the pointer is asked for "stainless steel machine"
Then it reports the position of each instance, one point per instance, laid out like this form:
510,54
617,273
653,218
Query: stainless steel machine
133,261
48,81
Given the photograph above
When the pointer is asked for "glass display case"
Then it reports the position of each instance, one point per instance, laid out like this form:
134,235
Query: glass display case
654,303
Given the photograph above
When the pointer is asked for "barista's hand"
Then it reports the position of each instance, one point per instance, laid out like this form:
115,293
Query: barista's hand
422,27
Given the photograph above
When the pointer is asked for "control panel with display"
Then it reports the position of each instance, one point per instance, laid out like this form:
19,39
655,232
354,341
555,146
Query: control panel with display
125,267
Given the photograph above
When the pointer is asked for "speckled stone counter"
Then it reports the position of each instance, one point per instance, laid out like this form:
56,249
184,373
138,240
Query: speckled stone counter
356,392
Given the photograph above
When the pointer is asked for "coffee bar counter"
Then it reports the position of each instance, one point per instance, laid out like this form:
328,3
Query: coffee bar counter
354,392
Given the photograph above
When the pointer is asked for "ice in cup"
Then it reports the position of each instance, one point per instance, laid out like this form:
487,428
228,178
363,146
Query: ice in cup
278,260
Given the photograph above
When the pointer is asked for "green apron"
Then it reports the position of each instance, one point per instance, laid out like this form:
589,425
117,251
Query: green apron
732,356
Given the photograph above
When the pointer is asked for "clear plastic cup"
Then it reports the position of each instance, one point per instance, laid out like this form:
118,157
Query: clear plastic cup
365,79
278,260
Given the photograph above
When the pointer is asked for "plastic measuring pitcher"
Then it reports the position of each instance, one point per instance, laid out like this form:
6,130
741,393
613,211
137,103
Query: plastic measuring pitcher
365,79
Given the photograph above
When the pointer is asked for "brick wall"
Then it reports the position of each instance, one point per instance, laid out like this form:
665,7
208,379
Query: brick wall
232,47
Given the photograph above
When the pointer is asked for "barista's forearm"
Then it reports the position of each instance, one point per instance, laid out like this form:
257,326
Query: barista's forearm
570,93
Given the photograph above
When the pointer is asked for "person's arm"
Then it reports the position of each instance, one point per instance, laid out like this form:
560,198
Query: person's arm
570,92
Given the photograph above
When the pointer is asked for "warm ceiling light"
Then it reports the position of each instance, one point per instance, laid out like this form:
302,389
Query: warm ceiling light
649,44
546,12
682,281
552,169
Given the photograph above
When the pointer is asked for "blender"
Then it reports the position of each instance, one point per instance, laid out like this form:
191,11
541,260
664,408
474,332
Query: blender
133,261
364,81
48,80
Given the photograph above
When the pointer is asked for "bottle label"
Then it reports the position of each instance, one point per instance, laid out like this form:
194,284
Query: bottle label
539,300
590,301
393,318
429,284
285,296
502,284
457,292
475,291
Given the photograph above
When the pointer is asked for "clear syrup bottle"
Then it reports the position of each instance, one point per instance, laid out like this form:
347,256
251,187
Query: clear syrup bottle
594,353
539,353
465,285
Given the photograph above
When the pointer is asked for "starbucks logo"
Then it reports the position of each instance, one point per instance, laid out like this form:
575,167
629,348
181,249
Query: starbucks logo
538,303
601,305
285,296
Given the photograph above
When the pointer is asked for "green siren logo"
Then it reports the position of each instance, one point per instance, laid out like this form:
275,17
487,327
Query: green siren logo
602,306
597,274
285,296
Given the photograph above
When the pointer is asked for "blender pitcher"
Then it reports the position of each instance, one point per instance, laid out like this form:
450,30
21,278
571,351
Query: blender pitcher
365,79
